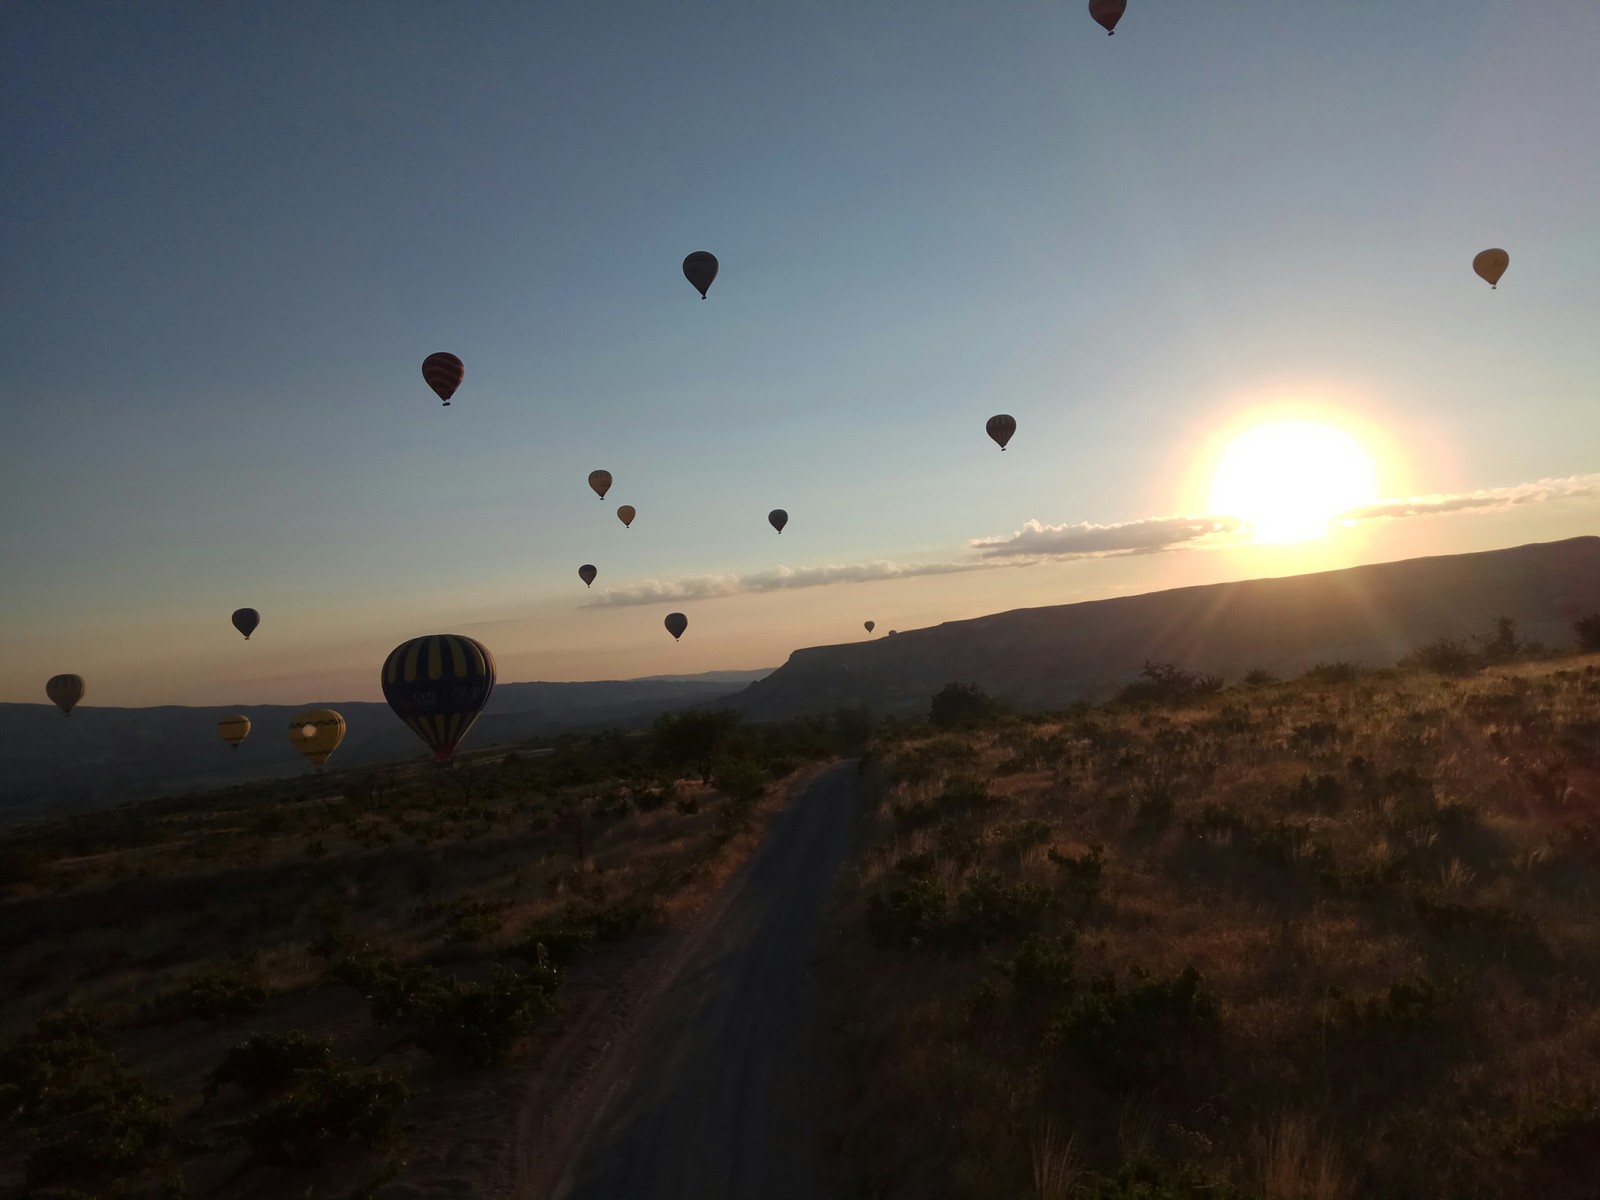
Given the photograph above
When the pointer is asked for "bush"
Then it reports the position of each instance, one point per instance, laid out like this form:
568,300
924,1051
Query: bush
1588,631
741,780
1409,1004
479,1024
1256,677
232,990
1044,964
1443,656
694,738
1166,683
326,1107
1332,672
267,1062
906,914
1136,1035
989,909
1082,873
962,704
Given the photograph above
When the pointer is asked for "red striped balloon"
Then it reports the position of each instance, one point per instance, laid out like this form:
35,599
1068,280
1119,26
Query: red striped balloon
443,373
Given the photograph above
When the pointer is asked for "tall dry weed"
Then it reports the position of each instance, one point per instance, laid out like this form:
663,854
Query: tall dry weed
1056,1169
1296,1163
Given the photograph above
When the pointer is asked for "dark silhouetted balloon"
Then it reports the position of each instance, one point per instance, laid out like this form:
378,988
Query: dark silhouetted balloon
444,373
700,269
65,691
245,621
1490,265
600,481
234,729
438,685
1000,427
587,573
869,626
777,518
626,514
1107,13
316,733
676,623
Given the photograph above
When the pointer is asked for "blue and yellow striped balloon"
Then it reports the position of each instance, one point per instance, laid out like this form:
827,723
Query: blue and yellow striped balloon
438,685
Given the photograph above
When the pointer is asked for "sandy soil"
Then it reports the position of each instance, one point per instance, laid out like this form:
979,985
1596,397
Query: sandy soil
700,1075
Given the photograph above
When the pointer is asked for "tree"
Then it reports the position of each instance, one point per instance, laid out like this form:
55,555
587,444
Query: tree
1167,683
1502,646
694,738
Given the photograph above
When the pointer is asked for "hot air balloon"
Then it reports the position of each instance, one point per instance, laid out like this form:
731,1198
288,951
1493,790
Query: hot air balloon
700,269
676,623
869,626
444,373
587,574
245,621
1107,13
777,518
316,733
600,481
65,691
234,729
1000,427
1490,265
626,514
438,685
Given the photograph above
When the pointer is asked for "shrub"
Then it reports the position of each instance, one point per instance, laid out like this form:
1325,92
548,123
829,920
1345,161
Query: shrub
962,704
989,909
326,1107
231,990
742,780
479,1024
1257,677
1044,964
1156,1179
1136,1034
471,920
693,738
1443,656
267,1062
1166,683
1084,872
1588,631
906,914
1409,1004
120,1128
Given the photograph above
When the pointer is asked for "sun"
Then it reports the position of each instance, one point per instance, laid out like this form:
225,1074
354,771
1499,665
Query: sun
1288,480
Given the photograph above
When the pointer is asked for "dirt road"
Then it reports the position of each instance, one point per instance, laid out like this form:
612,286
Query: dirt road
709,1093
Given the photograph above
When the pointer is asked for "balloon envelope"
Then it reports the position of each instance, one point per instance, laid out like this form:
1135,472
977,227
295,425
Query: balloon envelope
626,514
1000,427
444,373
777,518
65,691
438,685
245,621
316,733
700,269
600,481
1490,265
587,573
676,623
869,626
234,729
1107,13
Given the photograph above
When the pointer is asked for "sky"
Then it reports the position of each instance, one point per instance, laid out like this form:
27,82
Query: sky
231,233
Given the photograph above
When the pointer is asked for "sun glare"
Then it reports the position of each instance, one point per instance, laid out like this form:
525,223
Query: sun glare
1288,480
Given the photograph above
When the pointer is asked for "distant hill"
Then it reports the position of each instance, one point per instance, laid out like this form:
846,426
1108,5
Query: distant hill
102,756
1051,657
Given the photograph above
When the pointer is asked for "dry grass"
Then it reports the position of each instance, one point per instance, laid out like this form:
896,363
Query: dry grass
1385,885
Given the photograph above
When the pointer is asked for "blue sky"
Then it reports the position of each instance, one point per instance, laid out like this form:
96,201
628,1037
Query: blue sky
233,232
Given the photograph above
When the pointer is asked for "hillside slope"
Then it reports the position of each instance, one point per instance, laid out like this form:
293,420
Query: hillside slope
1049,657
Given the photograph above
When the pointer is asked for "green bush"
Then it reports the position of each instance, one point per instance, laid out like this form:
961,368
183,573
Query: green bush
1409,1004
1082,873
1044,965
962,705
988,909
1444,656
326,1107
231,990
1156,1179
1135,1035
1168,684
479,1024
267,1062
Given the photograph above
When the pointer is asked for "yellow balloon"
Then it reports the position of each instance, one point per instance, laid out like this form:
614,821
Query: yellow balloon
1490,265
316,733
234,729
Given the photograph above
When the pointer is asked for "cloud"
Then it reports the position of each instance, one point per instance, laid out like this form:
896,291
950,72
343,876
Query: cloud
1149,536
1574,487
777,579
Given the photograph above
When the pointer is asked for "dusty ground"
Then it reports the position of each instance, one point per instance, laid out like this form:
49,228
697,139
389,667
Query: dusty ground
698,1067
